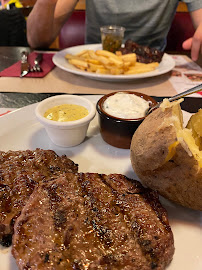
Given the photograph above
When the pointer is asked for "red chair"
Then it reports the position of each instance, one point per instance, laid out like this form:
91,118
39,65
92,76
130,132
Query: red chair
73,31
181,29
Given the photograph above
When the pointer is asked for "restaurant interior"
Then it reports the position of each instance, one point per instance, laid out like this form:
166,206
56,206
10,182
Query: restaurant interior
113,165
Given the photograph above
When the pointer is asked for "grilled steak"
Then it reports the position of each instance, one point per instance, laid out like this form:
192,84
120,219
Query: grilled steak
20,172
144,54
92,221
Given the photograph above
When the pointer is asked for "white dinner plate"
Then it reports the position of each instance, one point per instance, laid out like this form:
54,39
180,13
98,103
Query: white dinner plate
59,60
20,130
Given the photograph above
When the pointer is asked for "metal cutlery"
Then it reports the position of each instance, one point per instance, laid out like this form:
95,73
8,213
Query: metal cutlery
24,64
36,67
178,96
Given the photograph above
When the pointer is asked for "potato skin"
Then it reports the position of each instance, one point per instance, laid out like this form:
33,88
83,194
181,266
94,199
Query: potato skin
180,178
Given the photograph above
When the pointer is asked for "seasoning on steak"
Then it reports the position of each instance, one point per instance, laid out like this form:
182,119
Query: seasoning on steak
20,171
144,54
92,221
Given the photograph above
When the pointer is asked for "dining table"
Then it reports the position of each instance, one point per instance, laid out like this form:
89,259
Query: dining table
16,92
20,130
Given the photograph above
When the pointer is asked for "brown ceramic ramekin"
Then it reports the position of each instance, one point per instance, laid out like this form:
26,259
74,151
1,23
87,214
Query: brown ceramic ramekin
116,131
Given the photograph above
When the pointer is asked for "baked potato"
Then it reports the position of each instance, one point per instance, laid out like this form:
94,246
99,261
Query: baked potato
167,157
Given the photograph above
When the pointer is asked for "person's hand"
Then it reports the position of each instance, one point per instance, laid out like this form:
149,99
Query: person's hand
194,43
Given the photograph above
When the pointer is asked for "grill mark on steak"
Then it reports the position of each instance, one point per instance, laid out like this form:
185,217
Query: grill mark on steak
134,187
127,196
111,228
62,248
144,220
20,172
91,221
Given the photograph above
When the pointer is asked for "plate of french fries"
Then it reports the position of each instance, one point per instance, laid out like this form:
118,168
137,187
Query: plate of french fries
94,62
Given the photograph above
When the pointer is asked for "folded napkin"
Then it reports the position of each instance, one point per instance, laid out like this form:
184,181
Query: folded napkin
15,70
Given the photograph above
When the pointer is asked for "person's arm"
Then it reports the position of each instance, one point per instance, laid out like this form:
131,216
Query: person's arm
195,43
46,19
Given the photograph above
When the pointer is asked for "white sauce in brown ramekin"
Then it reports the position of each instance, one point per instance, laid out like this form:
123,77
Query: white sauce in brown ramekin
126,106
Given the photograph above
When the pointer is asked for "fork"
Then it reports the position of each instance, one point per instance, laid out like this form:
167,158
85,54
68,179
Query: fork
190,91
36,67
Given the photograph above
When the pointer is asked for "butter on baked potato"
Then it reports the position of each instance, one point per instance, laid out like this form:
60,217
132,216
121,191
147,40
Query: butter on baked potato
167,157
195,124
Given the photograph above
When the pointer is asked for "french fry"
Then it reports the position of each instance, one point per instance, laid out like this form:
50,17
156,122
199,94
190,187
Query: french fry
126,65
102,71
105,62
92,61
81,53
136,70
101,59
94,67
153,64
70,56
106,54
113,58
116,71
82,68
78,62
116,62
130,57
118,53
85,55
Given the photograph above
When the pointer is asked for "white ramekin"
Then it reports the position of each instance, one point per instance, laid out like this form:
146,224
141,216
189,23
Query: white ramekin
65,134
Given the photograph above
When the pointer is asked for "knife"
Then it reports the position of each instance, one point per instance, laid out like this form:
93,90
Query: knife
24,64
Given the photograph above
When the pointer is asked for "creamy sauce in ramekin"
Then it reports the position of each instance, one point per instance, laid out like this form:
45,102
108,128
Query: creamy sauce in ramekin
126,106
66,112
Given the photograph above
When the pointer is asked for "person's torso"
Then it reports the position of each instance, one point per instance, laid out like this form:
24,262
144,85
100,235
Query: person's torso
146,21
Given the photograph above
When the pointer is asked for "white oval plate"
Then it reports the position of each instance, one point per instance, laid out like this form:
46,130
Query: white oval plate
21,130
59,60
